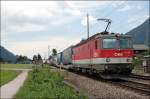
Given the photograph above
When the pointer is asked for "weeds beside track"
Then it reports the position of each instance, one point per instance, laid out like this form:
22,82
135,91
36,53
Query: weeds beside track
137,83
45,83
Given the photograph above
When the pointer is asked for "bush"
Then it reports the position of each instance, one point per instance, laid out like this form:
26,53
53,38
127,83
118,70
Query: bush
137,63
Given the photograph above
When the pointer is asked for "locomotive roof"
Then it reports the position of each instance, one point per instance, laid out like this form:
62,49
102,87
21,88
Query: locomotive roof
102,35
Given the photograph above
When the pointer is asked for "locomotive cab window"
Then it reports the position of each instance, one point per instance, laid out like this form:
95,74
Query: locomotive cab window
125,43
109,43
112,43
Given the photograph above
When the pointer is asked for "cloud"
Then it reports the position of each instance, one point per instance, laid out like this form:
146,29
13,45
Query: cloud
92,20
33,17
118,3
25,16
64,20
125,8
80,8
35,47
139,7
136,20
84,4
128,7
47,16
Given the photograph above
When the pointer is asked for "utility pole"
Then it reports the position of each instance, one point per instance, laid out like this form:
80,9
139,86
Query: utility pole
48,51
87,26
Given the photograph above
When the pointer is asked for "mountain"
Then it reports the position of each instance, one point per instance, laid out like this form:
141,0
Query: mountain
6,55
141,34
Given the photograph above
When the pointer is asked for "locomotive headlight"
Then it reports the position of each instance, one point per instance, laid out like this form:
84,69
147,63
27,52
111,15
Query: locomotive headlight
129,60
108,60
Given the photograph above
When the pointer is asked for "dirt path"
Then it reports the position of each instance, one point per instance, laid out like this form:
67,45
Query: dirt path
8,90
16,69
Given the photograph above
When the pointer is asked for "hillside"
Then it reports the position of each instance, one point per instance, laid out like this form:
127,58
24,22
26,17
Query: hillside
6,55
141,33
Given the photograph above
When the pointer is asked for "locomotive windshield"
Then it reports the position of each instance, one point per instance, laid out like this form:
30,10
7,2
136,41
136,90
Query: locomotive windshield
112,43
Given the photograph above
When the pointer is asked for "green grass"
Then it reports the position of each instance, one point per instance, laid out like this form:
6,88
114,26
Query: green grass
6,76
23,66
138,70
44,83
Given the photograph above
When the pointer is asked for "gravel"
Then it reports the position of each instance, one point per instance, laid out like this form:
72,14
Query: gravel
99,89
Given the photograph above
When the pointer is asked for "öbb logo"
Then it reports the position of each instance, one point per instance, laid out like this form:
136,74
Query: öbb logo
118,54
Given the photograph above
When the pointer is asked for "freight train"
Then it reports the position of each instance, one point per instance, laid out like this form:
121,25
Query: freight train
105,53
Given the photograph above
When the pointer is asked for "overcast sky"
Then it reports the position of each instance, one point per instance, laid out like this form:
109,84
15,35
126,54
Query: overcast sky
28,27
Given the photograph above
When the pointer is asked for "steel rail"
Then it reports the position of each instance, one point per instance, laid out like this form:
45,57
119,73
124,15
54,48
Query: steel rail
143,89
140,77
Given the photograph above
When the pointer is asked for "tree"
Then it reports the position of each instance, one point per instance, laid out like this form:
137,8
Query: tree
40,61
22,59
54,52
39,57
1,59
35,59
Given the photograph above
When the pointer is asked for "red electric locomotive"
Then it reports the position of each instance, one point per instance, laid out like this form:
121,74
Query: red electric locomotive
105,53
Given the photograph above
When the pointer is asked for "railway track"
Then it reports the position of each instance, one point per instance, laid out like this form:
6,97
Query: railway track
143,89
140,77
136,83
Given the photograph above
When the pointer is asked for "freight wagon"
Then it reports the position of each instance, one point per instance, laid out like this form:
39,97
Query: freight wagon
65,57
59,58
